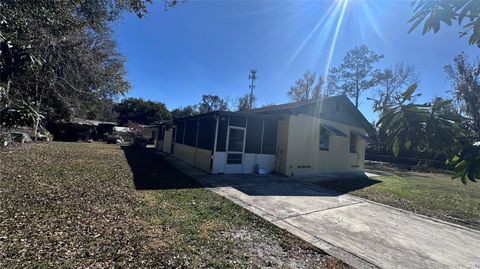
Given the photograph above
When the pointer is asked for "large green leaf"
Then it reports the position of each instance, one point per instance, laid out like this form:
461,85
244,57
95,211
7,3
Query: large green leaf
409,92
396,147
468,163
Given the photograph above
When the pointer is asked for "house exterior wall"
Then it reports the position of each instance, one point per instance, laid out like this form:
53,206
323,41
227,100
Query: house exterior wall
151,133
282,143
188,154
178,150
258,147
287,142
337,109
202,159
167,141
195,156
250,160
303,155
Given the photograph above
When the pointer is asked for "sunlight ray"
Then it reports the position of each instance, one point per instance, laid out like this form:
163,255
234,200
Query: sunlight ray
327,16
335,36
332,46
370,17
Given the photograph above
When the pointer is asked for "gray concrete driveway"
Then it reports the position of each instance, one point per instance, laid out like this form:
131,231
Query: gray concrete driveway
362,233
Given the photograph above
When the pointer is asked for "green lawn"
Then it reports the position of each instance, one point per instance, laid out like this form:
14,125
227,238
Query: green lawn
79,205
431,194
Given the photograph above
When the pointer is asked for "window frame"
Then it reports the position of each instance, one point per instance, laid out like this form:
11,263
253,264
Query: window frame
327,133
232,152
353,147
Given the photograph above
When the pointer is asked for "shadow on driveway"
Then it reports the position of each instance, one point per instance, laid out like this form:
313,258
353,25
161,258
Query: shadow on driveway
346,185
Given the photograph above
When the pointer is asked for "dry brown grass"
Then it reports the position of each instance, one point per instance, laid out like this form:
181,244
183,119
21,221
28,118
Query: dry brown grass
77,205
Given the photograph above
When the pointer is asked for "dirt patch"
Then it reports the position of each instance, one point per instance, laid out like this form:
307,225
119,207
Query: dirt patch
270,253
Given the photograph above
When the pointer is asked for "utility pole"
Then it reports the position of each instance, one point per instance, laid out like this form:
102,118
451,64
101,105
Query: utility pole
252,77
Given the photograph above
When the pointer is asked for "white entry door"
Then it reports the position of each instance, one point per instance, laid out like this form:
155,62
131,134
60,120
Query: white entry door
235,150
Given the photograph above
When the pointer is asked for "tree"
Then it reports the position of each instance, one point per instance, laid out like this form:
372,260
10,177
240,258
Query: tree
303,88
390,83
306,88
326,86
77,73
59,56
467,163
141,111
356,73
429,126
268,105
433,126
211,103
184,112
246,102
433,13
465,77
102,110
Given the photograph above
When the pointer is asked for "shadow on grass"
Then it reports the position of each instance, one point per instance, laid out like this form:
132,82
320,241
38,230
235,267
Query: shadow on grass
150,172
346,185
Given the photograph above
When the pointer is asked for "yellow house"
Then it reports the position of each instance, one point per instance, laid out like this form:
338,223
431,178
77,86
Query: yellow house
319,136
327,135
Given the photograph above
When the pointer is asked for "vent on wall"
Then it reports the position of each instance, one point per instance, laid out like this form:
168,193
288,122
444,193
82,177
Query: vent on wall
304,166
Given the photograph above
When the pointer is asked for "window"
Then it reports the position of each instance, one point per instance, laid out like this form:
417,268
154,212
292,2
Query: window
190,137
222,133
269,137
253,141
238,121
353,143
206,133
180,129
324,138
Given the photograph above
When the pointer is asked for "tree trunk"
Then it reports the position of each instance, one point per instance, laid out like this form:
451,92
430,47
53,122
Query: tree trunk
357,92
35,128
357,95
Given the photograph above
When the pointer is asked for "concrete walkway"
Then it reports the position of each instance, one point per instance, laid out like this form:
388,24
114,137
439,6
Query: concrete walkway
362,233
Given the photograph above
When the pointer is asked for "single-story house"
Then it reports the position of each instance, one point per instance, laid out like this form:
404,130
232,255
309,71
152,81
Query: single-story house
78,129
326,135
150,133
126,133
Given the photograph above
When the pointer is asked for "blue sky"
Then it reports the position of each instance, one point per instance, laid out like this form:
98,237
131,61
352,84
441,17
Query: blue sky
208,47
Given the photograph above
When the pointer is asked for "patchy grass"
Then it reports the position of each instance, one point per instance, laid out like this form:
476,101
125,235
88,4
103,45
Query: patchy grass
431,194
77,205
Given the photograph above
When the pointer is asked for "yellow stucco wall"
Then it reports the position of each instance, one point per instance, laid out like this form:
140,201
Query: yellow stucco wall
282,142
202,158
195,156
188,154
303,153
